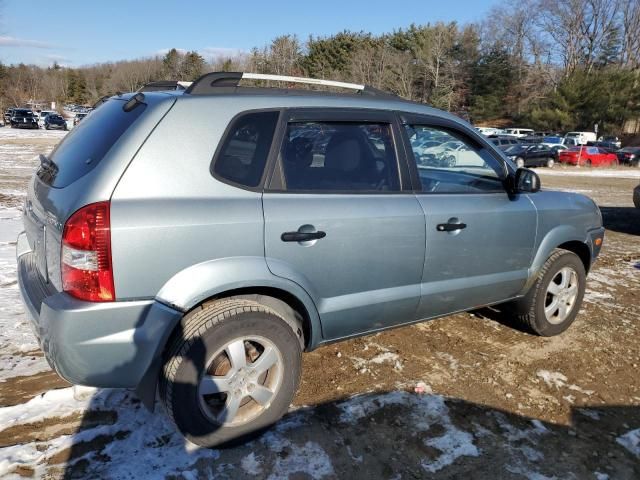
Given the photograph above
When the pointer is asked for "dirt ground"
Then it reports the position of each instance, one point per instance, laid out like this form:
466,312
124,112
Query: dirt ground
495,402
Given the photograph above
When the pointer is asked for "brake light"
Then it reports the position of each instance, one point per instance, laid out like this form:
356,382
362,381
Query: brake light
87,273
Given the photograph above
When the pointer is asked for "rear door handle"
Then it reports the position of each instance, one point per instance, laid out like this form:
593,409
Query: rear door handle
450,227
302,236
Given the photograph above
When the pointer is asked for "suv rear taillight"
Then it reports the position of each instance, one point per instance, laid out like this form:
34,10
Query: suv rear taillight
87,273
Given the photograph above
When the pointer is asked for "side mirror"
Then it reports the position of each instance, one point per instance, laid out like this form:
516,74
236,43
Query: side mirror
526,181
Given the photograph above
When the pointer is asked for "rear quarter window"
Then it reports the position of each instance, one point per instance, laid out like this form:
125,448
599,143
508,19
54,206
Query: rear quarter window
243,154
87,144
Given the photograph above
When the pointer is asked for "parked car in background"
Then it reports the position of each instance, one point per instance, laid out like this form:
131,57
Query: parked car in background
518,132
202,277
504,142
581,138
556,149
531,155
486,131
588,157
8,113
55,121
551,140
43,114
629,156
23,118
611,140
78,118
452,153
611,147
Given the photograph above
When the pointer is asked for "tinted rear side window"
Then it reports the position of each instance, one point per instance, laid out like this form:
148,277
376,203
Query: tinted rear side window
87,144
340,157
243,155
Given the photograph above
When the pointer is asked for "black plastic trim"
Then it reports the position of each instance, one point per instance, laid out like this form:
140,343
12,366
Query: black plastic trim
210,82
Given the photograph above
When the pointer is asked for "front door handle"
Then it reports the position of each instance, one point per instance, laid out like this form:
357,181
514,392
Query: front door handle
302,236
450,227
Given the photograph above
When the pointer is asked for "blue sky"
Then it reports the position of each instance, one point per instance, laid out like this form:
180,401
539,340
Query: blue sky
76,32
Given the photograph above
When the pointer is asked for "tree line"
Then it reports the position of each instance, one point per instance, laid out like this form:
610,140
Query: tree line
548,64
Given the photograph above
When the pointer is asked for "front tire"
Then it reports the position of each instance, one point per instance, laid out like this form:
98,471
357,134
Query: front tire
231,372
550,162
553,302
520,162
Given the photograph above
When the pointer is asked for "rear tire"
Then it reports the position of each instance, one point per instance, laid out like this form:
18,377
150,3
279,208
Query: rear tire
550,162
547,309
587,163
519,162
214,385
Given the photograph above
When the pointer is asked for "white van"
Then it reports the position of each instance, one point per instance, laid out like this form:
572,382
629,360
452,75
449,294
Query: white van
518,132
581,138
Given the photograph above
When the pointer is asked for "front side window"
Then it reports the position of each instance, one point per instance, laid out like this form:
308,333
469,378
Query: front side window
455,164
339,157
244,153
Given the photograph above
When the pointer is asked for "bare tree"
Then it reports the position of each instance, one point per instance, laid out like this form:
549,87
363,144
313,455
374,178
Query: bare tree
630,19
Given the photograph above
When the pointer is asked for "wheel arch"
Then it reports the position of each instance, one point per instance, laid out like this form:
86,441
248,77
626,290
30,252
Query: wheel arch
242,277
565,237
581,249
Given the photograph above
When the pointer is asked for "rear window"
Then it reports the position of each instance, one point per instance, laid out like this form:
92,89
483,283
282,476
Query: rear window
87,144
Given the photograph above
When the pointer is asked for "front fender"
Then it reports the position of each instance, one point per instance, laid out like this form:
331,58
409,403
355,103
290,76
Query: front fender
189,287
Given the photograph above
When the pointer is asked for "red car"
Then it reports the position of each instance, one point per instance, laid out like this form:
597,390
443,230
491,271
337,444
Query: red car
588,156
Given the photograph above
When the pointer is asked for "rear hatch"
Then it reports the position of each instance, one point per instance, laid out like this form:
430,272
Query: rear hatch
82,169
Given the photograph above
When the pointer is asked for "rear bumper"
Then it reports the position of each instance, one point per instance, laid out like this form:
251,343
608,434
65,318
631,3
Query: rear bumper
111,344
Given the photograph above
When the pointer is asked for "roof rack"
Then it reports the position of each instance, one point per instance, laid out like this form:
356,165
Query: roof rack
212,82
164,85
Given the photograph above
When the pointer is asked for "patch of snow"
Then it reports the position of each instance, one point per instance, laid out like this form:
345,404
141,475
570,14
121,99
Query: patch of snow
528,474
308,459
384,357
425,411
251,464
558,380
631,441
157,447
453,445
592,414
553,379
16,336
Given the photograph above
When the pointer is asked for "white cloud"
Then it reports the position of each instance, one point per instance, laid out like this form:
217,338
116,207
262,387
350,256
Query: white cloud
164,51
215,52
6,41
207,52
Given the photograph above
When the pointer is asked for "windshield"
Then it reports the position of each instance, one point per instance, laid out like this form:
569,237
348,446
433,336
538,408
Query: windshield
552,139
22,113
82,149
